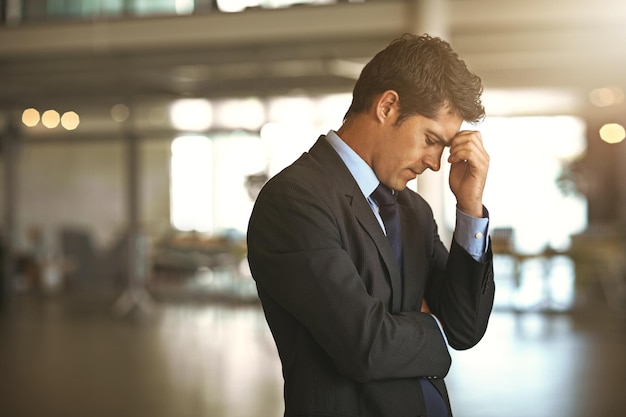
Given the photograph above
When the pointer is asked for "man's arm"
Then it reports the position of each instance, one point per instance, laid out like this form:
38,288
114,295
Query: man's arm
297,257
468,171
472,233
461,291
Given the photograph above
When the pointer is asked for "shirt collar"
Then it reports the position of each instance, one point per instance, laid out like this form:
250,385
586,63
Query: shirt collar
360,170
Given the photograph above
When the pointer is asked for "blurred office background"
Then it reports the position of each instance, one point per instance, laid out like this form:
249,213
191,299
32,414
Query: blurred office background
135,135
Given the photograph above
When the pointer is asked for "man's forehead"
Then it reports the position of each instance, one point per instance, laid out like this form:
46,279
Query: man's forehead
439,137
444,127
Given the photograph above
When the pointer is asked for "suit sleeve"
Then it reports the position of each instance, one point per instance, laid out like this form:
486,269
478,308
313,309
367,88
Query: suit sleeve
460,292
297,258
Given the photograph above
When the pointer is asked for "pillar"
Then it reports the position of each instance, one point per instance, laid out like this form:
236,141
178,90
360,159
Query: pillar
431,16
9,156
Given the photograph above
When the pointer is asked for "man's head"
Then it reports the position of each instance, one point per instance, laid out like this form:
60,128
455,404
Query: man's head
427,75
408,105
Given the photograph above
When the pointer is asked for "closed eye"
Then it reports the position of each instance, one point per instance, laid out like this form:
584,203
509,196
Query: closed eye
432,138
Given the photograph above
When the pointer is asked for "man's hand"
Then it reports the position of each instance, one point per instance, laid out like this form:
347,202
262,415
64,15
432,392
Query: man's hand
468,172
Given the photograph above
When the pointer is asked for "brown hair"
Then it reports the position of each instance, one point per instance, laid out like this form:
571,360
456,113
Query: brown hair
427,75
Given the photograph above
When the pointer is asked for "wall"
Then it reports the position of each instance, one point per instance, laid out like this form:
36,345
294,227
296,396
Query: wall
83,185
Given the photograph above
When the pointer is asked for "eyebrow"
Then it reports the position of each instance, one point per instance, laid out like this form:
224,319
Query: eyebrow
439,138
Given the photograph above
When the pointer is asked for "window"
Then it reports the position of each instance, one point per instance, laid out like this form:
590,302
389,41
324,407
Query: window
522,193
208,181
191,173
524,199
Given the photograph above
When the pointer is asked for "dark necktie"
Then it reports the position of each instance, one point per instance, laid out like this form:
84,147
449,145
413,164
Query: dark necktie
389,213
388,210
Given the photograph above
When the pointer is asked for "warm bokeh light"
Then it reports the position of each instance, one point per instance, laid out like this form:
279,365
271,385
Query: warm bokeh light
612,133
70,120
30,117
50,119
606,96
120,113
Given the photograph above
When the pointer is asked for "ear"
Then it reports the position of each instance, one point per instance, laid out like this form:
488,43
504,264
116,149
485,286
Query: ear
387,106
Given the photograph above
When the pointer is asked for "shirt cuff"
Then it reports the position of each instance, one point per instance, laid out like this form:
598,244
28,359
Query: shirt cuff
471,233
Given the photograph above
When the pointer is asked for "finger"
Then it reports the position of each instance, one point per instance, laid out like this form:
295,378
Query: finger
478,160
467,146
466,138
468,152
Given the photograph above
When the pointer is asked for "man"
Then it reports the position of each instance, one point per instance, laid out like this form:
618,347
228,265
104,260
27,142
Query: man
350,294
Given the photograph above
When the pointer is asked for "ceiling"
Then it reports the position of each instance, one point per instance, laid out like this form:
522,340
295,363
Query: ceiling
569,46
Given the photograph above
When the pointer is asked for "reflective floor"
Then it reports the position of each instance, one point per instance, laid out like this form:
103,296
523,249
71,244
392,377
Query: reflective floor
69,356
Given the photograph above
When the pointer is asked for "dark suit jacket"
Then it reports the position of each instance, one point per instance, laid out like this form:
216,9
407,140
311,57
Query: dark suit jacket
348,326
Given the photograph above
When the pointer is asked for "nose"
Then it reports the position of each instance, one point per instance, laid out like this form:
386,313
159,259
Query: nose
432,163
432,160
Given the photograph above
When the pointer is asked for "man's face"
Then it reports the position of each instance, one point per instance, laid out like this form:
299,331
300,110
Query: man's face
407,150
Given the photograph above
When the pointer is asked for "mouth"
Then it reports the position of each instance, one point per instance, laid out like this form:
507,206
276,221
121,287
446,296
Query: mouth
414,173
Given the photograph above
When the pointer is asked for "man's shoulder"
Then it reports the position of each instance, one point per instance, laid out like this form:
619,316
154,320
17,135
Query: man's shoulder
319,168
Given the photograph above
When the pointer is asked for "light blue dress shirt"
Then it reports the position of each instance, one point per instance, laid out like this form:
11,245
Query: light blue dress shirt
470,232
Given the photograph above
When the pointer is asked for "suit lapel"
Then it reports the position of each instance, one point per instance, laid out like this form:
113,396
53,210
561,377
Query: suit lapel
334,165
368,221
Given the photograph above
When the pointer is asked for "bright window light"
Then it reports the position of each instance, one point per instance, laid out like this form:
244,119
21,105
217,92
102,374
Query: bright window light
331,109
527,155
235,157
540,101
191,175
191,114
282,146
293,110
248,113
184,6
233,6
204,168
526,158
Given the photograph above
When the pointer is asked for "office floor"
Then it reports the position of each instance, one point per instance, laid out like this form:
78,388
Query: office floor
69,356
